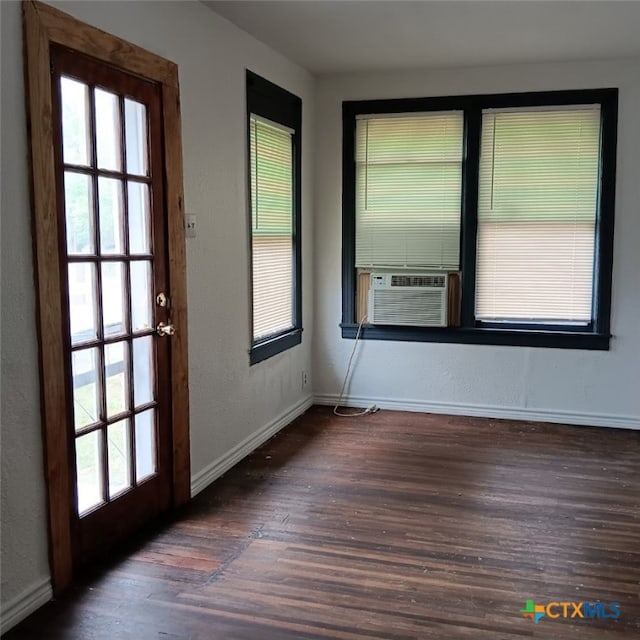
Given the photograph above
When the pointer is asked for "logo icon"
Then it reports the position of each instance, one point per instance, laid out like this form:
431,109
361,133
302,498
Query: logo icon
533,611
581,610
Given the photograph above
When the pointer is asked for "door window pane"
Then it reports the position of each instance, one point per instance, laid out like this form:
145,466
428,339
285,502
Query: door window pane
86,387
141,289
107,130
113,298
116,374
75,121
143,366
111,222
89,471
118,457
139,236
82,302
145,444
79,218
135,116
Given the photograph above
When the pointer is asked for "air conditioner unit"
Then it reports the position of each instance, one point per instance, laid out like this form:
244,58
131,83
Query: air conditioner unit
412,299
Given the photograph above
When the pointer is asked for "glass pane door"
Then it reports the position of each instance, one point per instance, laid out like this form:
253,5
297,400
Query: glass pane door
110,270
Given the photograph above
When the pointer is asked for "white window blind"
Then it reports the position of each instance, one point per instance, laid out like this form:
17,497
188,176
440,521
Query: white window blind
408,190
537,214
271,161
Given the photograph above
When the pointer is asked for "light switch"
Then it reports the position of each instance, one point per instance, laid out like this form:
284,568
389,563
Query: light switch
190,225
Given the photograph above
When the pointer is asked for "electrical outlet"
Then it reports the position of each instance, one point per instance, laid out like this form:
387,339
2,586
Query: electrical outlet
303,379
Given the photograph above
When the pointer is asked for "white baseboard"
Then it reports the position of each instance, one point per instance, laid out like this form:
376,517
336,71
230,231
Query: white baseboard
211,472
25,603
485,411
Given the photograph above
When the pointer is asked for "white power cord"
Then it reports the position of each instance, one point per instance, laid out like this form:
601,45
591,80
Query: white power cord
373,408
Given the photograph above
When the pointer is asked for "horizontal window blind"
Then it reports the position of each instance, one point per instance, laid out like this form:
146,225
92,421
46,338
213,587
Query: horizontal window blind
537,207
271,158
408,190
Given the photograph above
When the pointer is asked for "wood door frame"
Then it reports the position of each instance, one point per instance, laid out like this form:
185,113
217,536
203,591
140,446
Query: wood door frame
44,26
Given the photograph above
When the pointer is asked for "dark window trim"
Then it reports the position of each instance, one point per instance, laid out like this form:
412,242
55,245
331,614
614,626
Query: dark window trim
271,346
270,101
474,335
596,335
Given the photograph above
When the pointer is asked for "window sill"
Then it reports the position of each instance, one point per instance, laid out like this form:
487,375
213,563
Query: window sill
272,346
498,337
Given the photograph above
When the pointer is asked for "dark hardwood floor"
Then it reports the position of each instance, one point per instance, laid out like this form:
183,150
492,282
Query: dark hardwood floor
393,526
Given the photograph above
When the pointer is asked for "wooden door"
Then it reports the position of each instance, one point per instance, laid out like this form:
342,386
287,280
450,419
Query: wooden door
104,130
114,273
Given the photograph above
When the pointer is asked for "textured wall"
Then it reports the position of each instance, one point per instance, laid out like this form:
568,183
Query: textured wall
229,399
24,541
588,387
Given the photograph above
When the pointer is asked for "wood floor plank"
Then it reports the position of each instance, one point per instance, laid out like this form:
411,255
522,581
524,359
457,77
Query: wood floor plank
395,526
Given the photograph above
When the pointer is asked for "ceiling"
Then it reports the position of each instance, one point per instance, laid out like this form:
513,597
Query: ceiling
326,36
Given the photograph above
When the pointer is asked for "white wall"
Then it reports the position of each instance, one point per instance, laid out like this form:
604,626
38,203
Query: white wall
229,400
553,384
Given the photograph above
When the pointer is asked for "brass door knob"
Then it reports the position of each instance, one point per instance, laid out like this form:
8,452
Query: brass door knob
165,329
162,300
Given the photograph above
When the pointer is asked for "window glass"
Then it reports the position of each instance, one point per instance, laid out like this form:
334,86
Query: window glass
271,227
537,215
408,190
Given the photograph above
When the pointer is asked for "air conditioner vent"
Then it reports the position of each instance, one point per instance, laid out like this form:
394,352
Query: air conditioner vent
417,281
412,299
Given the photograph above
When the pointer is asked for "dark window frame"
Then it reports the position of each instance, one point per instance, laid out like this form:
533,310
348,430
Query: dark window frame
266,99
596,335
